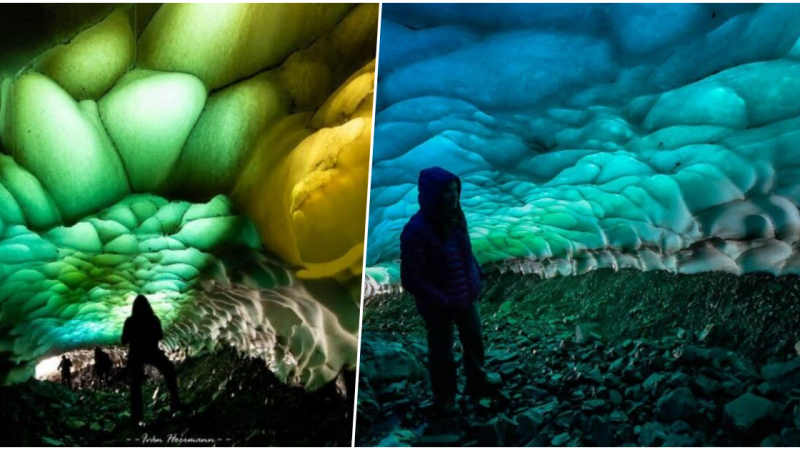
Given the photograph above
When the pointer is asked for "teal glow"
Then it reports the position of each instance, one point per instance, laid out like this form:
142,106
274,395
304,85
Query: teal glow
74,286
655,137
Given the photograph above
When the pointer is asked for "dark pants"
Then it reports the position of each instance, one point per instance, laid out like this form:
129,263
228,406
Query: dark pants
136,370
441,361
66,379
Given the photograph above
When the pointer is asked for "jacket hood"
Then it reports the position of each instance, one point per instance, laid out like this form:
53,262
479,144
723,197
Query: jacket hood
432,182
142,308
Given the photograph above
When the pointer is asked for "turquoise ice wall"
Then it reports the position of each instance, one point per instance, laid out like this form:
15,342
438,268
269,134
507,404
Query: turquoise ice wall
587,136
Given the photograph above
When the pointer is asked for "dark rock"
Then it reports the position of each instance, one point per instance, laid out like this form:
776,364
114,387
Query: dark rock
617,416
508,369
709,334
600,433
652,382
500,357
691,355
614,397
617,365
587,332
680,427
494,432
797,416
719,357
579,420
772,440
748,411
389,361
658,362
706,385
677,404
733,387
529,423
790,437
536,393
596,376
601,392
765,389
439,440
593,405
398,438
540,440
679,379
631,374
783,375
681,334
679,440
547,407
652,434
566,418
560,439
634,392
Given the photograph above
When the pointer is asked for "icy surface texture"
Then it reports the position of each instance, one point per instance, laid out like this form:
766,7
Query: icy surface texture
586,136
139,148
199,265
270,104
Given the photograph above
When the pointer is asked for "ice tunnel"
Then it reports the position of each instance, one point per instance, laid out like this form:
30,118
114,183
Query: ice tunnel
213,157
657,137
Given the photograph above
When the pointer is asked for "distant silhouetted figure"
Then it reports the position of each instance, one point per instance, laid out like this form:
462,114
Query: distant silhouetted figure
102,366
65,366
437,266
141,332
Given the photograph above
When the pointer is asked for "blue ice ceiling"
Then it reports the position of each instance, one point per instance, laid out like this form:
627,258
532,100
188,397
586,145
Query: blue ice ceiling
587,136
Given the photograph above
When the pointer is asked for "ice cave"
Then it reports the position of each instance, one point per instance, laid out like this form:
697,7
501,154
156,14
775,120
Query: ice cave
213,157
633,164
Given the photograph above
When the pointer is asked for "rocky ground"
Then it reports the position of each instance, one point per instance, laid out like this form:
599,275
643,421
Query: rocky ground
607,358
228,400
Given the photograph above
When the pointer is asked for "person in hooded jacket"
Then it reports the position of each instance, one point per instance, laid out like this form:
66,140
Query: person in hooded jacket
102,367
141,332
65,366
438,268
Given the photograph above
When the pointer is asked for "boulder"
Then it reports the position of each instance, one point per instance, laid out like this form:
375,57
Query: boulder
677,404
652,435
383,361
529,423
783,375
747,412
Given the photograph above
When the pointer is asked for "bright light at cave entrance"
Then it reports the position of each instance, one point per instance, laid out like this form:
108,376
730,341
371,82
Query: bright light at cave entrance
47,367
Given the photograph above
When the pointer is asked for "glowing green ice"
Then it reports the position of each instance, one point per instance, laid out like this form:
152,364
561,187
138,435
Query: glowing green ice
149,116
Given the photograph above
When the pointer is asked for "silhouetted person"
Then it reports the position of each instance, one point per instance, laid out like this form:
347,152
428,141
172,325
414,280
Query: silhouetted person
437,266
65,366
102,366
141,332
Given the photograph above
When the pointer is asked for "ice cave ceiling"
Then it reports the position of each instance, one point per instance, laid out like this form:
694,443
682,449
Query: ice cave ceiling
654,136
214,157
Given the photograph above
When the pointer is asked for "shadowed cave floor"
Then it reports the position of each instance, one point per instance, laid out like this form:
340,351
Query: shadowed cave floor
229,400
705,359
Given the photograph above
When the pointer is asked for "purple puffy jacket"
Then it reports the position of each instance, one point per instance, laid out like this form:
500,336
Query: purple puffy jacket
436,263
